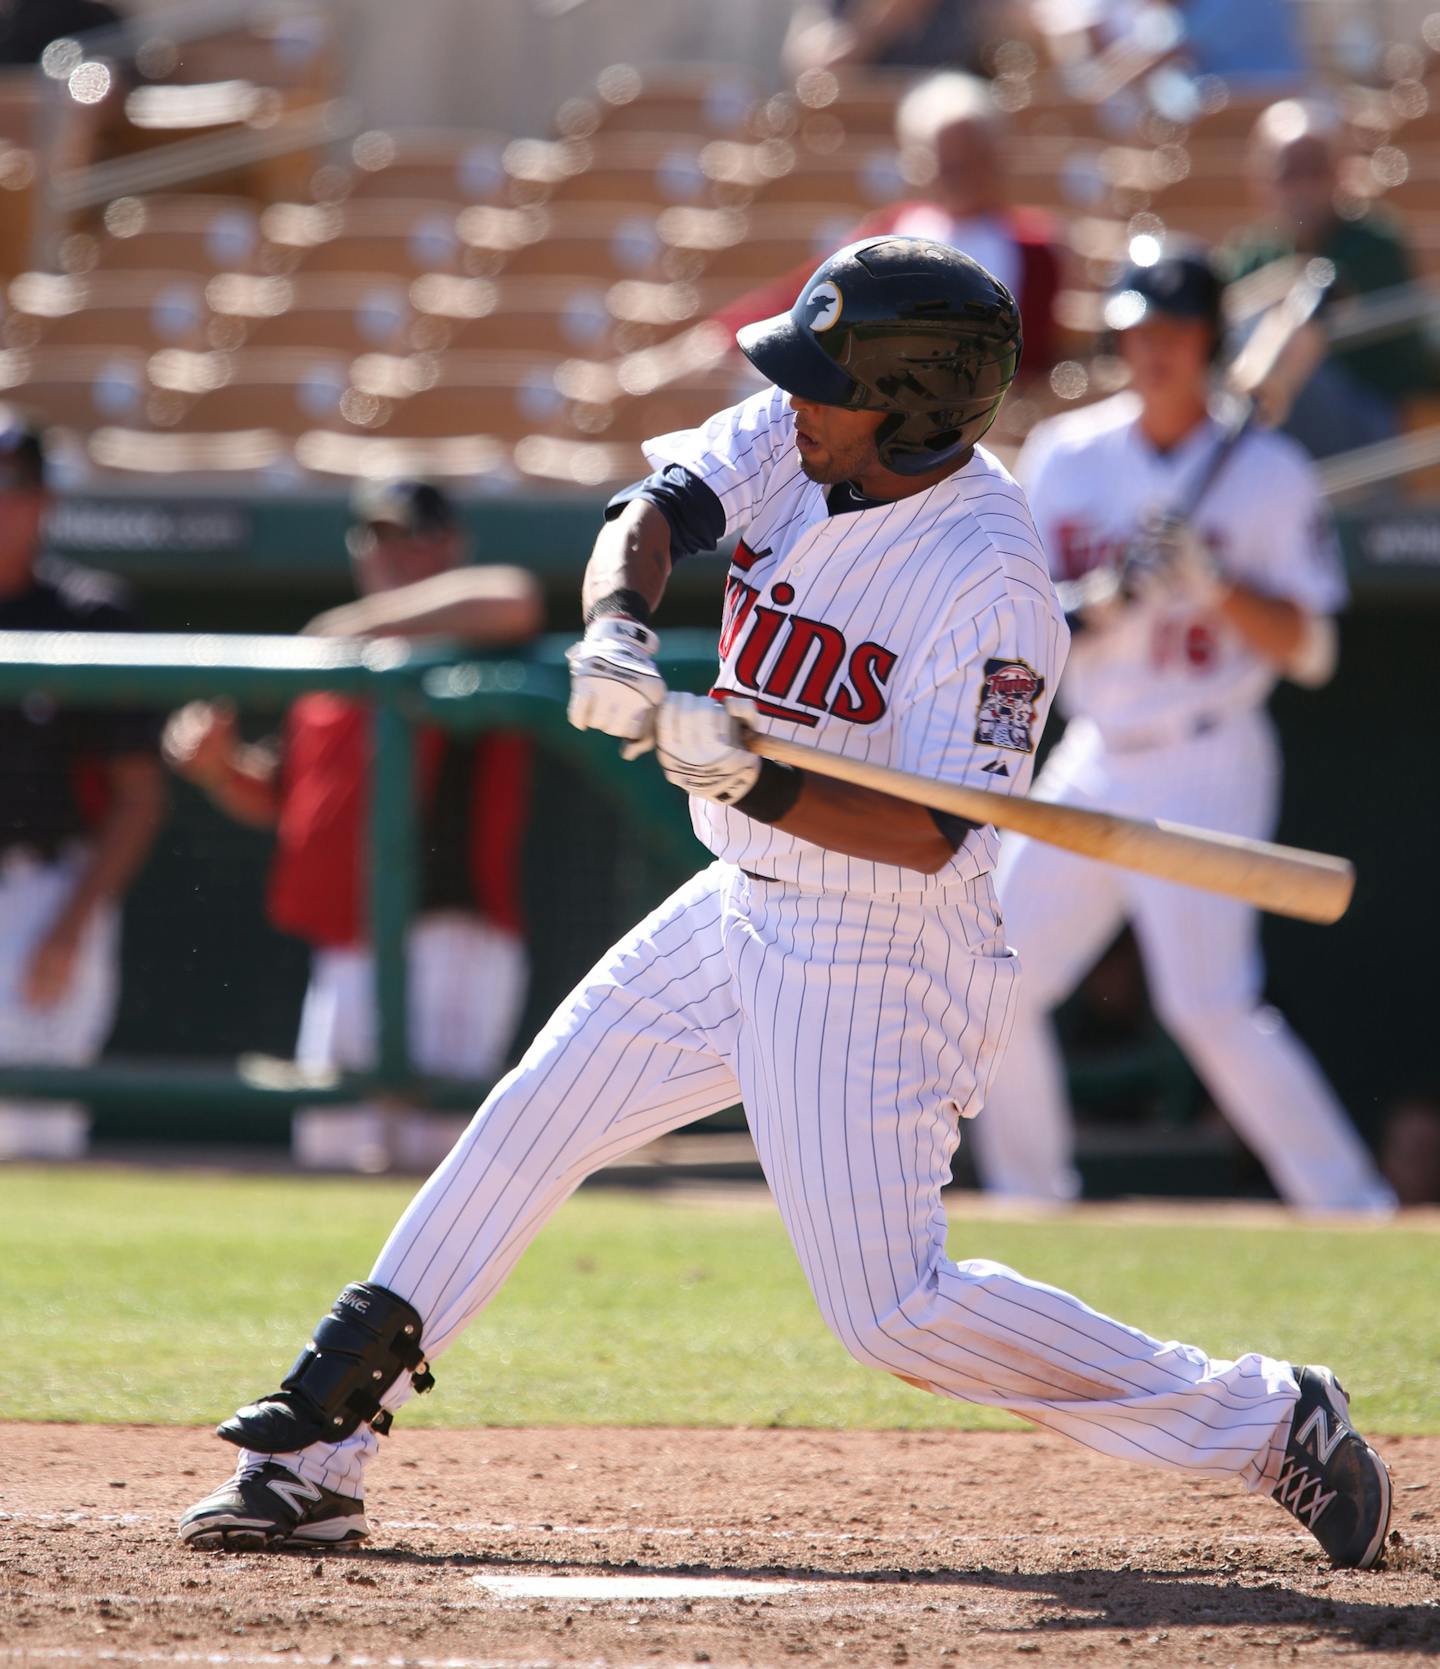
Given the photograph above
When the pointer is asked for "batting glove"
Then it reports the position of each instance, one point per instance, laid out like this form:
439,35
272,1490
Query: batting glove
1173,563
615,685
698,745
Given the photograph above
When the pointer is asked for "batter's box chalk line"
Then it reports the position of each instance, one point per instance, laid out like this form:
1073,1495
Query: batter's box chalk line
623,1588
122,1658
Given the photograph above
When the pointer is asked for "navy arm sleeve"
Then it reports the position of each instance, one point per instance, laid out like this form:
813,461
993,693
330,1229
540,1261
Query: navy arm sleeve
696,516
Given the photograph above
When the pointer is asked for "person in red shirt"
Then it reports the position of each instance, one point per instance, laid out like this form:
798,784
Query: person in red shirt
950,129
468,966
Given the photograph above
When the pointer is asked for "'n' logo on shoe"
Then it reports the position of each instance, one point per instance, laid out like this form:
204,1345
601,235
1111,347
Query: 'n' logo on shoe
1325,1441
293,1492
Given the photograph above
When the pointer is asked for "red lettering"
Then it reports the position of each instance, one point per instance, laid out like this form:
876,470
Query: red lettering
870,667
765,627
1199,646
806,635
739,600
1188,642
1079,548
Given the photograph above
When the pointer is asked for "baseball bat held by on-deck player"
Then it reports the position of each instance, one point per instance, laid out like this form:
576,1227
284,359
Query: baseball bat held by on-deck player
1311,886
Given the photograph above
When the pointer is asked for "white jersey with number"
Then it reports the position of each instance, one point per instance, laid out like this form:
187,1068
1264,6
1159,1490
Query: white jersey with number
1092,480
1170,724
922,634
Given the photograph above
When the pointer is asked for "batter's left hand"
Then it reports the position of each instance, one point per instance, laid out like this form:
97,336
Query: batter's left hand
697,742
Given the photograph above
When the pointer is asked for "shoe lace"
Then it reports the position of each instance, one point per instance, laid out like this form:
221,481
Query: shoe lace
1291,1491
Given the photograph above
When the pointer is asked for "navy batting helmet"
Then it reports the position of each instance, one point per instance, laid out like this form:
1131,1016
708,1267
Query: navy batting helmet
903,326
1181,283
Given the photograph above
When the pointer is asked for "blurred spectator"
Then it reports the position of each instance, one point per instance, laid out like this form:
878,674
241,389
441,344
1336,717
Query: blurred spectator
83,798
1249,44
1357,394
27,27
953,134
1410,1150
467,958
889,34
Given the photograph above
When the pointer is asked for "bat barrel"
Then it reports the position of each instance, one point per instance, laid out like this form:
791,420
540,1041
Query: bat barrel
1285,880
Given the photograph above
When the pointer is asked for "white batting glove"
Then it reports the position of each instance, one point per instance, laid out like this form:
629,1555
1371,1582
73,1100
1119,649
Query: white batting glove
615,685
698,745
1173,564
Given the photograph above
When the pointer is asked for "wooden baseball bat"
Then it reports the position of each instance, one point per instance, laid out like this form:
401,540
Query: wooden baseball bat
1311,886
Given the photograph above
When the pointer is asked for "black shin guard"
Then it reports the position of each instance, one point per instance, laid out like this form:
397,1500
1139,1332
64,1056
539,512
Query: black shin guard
366,1341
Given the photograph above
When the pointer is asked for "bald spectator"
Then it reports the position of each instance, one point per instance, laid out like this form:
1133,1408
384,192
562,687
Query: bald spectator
952,132
1357,394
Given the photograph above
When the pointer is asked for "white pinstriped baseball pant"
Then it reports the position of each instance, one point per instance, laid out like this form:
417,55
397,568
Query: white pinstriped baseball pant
856,1030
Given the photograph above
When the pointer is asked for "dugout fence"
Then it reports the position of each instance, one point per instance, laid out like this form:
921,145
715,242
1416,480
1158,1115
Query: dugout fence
406,687
615,834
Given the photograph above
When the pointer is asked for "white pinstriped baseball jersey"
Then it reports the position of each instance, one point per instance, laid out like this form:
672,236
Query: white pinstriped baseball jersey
1092,479
1169,722
858,1010
922,634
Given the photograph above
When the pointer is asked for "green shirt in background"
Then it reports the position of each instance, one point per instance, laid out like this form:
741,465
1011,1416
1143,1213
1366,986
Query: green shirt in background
1369,254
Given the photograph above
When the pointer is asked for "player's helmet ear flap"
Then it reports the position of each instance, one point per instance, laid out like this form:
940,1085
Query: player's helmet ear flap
1182,283
903,326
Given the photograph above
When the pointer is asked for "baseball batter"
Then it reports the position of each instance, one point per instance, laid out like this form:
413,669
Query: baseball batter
1166,690
841,966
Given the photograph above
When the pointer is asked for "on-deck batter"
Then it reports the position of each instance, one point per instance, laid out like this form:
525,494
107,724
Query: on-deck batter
841,966
1165,690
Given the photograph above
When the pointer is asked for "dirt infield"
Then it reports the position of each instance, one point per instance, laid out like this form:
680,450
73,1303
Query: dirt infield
537,1548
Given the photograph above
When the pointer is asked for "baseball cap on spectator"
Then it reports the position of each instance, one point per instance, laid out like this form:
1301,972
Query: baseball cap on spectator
22,451
415,507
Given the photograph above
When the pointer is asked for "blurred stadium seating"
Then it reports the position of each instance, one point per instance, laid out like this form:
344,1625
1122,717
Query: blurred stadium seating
480,265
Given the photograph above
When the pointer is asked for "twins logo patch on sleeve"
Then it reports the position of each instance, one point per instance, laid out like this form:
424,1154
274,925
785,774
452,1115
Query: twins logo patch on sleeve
1010,691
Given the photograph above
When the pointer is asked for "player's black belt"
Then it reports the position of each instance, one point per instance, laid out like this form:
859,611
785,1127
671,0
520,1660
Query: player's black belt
756,877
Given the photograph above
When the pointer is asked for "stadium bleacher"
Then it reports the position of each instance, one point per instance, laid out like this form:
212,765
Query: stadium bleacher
431,287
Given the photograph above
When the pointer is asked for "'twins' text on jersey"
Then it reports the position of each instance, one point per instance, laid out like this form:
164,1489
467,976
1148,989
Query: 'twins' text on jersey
813,671
922,634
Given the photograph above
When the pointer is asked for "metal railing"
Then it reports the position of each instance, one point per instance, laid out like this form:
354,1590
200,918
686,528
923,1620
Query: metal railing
407,687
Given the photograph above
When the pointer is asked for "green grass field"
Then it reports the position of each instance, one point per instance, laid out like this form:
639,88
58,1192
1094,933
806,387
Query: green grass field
168,1297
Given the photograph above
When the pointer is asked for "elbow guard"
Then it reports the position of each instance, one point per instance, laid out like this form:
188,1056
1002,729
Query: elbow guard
1314,660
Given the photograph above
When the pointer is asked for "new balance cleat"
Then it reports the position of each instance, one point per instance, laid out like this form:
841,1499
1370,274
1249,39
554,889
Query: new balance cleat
270,1506
1331,1479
